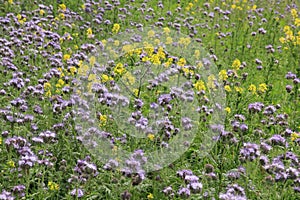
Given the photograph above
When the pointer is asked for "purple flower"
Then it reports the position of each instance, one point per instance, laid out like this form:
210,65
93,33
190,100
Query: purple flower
77,193
278,140
249,152
168,190
184,192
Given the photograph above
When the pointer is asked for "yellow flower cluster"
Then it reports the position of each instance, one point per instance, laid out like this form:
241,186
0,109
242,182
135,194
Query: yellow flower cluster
252,88
21,20
116,28
53,186
223,75
262,88
103,120
236,64
290,36
119,69
199,85
295,136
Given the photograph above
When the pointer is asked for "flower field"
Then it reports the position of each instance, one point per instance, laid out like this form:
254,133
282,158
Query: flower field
145,99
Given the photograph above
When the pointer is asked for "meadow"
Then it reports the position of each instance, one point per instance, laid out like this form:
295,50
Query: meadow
147,99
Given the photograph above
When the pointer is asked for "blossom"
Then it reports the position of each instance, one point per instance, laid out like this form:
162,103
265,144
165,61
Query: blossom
236,64
116,28
53,186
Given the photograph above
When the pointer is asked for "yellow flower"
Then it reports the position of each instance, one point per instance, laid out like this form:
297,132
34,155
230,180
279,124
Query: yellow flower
295,136
116,42
223,75
104,78
197,54
63,7
236,64
128,78
119,69
92,60
181,62
199,85
11,163
252,88
227,88
150,196
294,13
67,56
155,59
297,22
233,6
135,92
239,89
167,30
254,7
48,93
169,40
103,120
73,70
116,28
282,40
150,136
47,86
42,12
262,88
53,185
151,33
228,110
89,31
0,140
60,83
92,77
10,1
62,16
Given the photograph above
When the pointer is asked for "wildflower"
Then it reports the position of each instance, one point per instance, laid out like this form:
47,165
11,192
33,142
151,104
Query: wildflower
67,56
119,69
151,137
150,196
294,13
282,40
103,120
10,1
77,192
211,82
0,140
63,7
227,88
181,62
169,40
223,75
199,85
166,30
116,42
197,54
295,136
89,32
236,64
42,12
239,89
116,28
151,34
252,88
47,86
73,70
92,60
262,87
60,83
228,110
53,186
155,59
